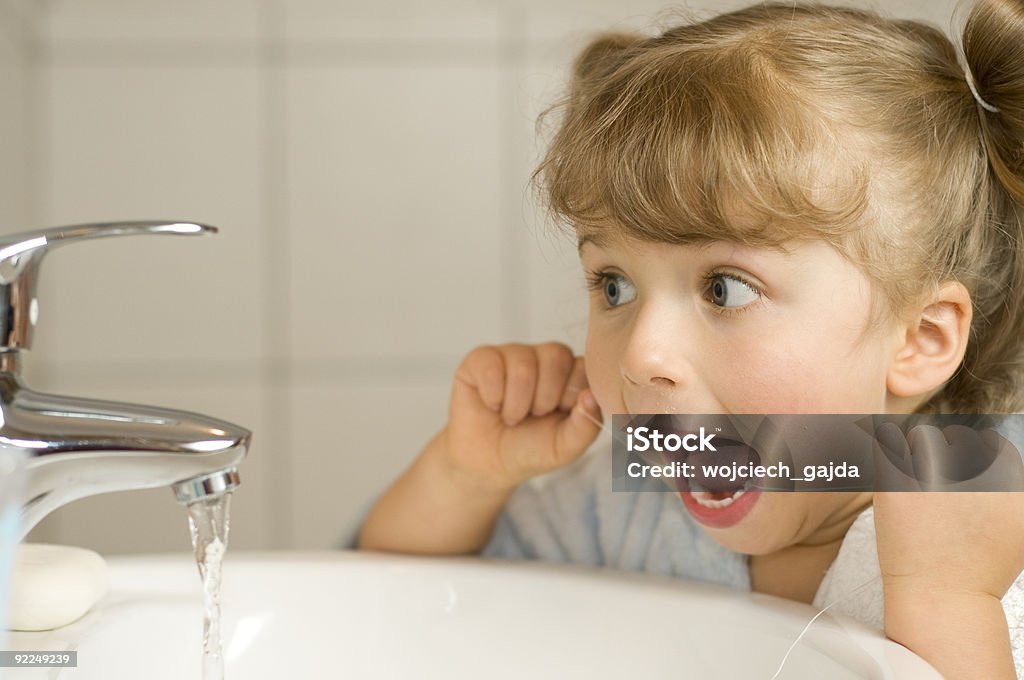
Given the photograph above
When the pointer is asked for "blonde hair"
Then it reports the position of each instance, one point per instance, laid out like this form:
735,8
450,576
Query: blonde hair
784,121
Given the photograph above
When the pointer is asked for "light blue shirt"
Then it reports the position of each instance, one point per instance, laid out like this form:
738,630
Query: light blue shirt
572,515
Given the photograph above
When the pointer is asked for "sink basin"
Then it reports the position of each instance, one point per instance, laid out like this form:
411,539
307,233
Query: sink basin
374,616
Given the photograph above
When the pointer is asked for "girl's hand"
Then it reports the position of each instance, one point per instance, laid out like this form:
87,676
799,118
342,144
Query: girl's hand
518,411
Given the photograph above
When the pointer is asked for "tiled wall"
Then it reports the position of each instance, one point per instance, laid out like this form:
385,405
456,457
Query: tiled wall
367,163
14,116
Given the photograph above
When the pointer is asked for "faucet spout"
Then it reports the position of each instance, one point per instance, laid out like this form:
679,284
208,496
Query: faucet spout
82,447
206,486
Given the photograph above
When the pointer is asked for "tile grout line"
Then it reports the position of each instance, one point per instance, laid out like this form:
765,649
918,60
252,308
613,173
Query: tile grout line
279,51
327,54
14,17
383,359
276,281
515,320
36,61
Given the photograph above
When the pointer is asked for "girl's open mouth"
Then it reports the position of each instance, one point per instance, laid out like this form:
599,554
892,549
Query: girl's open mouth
719,509
718,502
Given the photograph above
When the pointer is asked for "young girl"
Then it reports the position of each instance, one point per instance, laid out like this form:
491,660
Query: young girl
784,209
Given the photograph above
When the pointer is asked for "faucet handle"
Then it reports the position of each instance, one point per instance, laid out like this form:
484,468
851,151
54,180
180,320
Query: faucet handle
21,255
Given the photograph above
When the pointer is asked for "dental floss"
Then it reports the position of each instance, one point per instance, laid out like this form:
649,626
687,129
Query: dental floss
815,618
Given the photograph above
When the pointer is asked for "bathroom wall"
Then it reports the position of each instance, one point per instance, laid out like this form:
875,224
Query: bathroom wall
15,29
367,163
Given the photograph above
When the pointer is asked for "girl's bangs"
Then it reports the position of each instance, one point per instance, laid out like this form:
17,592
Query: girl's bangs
701,151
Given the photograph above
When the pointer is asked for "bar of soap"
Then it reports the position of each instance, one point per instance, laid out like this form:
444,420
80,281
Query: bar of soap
53,585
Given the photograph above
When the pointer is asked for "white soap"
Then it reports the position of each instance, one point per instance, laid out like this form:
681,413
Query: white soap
53,585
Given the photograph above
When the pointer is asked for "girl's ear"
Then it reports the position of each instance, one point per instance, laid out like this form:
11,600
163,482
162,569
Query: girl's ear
934,343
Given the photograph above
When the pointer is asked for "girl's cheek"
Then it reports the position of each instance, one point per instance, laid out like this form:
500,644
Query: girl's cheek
808,377
606,392
781,381
600,367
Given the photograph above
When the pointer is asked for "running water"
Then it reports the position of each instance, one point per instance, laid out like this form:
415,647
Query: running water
208,524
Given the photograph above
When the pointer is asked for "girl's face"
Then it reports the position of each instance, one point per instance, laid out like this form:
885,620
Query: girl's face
721,327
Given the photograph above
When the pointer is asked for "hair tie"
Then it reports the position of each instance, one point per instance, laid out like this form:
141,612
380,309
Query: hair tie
974,91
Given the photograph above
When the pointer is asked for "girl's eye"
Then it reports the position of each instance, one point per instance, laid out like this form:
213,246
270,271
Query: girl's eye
617,289
731,291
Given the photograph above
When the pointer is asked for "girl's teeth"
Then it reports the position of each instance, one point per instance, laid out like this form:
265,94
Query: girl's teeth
698,488
704,498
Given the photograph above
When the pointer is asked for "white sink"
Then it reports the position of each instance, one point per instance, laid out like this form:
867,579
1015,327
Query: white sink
370,616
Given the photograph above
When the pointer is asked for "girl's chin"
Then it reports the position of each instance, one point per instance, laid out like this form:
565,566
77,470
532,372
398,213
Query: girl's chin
743,542
750,535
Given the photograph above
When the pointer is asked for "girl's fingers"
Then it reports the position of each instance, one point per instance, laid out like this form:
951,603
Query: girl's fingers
517,380
578,431
520,382
576,383
483,370
555,363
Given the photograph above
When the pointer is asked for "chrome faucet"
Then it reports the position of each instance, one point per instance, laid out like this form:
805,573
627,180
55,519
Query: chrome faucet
82,447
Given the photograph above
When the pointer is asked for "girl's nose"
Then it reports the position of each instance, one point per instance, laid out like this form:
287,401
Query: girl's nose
657,351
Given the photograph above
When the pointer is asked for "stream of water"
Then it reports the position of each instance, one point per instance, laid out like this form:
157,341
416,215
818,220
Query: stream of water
208,525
